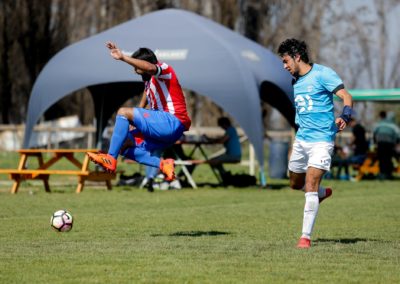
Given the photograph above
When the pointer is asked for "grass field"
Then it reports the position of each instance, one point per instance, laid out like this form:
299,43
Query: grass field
208,235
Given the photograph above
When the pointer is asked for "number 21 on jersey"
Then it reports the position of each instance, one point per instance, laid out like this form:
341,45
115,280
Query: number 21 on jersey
303,103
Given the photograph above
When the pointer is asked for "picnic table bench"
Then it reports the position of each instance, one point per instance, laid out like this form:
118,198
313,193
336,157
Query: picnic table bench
42,172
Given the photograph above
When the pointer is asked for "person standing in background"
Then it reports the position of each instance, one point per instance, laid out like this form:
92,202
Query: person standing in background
386,135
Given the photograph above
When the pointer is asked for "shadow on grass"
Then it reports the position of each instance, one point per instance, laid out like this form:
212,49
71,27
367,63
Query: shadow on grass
269,186
208,184
277,186
195,234
345,240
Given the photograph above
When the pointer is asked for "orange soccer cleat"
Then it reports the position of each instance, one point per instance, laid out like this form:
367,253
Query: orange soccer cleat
167,167
328,193
106,161
304,243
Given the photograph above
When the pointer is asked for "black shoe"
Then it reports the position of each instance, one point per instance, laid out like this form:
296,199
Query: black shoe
149,185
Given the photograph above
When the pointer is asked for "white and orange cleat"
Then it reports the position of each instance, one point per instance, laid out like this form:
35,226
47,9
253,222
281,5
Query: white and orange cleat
167,167
106,161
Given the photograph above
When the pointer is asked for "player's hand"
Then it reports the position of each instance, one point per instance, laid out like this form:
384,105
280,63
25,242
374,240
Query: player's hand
115,51
340,123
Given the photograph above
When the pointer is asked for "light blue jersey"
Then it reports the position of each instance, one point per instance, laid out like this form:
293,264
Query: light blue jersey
313,97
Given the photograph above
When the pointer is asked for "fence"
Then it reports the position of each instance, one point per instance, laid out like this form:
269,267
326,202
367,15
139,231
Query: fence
11,136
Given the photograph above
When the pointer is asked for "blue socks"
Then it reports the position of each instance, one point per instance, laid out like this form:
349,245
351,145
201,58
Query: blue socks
121,129
142,156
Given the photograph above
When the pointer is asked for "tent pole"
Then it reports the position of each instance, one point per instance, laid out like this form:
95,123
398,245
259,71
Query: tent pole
251,160
263,179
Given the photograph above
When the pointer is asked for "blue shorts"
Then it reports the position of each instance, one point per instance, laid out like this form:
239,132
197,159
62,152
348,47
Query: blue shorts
160,129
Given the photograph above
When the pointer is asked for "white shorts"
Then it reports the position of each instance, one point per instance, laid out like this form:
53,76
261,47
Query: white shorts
310,154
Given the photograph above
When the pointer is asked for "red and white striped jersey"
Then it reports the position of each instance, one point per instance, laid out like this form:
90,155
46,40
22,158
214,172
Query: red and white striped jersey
164,92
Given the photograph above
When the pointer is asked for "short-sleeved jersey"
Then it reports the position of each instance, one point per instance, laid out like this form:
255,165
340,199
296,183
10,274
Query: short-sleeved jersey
164,93
232,145
313,97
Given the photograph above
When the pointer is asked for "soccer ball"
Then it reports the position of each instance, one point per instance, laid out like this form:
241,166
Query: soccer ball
61,221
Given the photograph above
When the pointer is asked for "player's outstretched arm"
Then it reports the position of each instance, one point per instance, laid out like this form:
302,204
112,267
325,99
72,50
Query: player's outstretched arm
115,52
143,65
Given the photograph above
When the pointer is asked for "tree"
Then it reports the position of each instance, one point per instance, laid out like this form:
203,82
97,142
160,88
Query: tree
361,43
271,22
24,51
355,39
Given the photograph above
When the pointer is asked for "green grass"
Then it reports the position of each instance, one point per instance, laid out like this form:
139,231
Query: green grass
200,236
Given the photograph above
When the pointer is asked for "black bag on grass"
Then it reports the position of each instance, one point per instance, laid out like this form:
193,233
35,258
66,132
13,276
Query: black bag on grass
239,180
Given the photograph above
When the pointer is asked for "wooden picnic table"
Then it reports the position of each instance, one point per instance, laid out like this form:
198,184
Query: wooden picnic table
43,171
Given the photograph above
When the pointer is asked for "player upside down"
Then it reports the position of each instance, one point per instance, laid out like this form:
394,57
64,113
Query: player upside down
314,86
160,126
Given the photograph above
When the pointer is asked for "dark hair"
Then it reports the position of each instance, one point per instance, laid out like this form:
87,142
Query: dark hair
292,47
382,114
146,54
224,121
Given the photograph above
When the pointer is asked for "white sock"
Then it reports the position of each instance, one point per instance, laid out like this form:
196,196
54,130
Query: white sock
310,213
321,192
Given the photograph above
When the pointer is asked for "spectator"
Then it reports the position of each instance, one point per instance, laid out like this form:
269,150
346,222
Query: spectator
233,151
358,144
340,162
386,135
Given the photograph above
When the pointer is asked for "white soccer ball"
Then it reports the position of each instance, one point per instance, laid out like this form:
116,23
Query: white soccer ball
61,221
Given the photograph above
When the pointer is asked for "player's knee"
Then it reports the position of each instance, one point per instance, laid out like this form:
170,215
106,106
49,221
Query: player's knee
311,186
126,112
122,111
